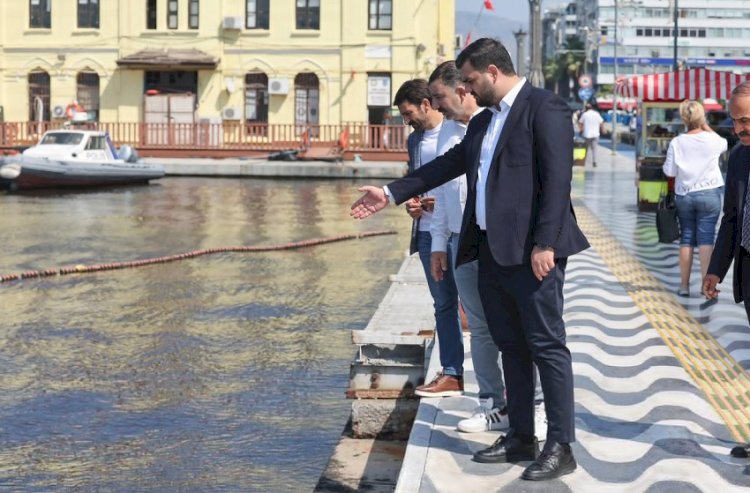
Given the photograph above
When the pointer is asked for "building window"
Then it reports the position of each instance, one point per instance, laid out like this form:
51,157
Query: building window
306,103
308,14
256,14
40,14
39,96
150,14
171,14
380,14
88,13
193,10
87,93
256,103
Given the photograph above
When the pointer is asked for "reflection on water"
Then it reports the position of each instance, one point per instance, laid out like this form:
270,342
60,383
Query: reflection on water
221,373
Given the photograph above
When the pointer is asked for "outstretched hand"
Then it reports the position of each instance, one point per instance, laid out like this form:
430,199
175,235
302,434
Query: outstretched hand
371,202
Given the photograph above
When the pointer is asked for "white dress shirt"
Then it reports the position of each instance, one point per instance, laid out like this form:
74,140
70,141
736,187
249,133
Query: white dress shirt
450,198
489,144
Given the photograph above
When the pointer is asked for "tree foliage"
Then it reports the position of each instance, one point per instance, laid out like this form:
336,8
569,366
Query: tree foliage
568,63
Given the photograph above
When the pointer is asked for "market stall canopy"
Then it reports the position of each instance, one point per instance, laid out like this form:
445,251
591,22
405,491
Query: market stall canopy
694,83
182,59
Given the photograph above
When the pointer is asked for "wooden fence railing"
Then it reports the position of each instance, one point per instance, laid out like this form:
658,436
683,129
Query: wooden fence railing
357,137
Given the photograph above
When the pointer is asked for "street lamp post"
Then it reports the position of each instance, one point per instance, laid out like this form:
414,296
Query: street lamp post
674,61
614,89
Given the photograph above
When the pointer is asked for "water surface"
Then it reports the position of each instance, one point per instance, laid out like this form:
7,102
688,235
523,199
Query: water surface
221,373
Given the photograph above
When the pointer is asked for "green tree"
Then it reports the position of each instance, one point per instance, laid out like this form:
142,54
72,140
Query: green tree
566,65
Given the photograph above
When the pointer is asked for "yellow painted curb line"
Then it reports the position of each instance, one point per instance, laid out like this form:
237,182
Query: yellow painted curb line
725,383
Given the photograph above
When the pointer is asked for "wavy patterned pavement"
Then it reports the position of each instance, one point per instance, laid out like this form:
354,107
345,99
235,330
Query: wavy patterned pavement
661,382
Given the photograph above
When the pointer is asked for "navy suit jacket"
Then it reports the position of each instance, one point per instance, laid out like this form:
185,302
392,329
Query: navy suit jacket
727,247
528,185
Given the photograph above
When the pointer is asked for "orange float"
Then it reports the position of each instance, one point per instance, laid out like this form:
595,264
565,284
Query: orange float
72,109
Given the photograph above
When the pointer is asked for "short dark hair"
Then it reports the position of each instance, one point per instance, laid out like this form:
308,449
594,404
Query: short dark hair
447,73
412,91
485,52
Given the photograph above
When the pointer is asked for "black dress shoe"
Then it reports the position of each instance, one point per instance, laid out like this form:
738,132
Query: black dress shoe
555,460
740,451
511,447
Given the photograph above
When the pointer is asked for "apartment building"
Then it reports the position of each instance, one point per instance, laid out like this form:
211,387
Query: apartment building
638,36
255,61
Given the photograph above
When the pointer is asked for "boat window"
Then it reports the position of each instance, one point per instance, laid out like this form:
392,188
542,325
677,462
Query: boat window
95,143
62,138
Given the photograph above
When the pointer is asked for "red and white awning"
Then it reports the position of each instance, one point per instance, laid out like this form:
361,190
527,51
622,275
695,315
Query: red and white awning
694,83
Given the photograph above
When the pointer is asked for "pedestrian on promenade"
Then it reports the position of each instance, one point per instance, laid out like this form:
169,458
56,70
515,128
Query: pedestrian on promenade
413,102
591,125
458,106
519,224
733,239
693,160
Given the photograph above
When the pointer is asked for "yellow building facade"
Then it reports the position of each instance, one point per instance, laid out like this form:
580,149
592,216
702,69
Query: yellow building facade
255,61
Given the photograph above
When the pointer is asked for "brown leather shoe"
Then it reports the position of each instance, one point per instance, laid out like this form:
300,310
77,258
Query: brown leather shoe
441,386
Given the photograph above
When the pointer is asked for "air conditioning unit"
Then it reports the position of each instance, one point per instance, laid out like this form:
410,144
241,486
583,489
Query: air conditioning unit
232,22
278,86
231,113
58,111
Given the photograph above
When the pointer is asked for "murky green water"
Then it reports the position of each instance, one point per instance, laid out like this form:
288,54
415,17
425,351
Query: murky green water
222,373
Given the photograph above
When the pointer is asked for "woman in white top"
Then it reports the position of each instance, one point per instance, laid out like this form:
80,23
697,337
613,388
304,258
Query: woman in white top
693,159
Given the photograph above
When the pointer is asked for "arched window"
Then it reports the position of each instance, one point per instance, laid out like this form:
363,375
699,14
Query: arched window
306,102
39,96
87,93
256,103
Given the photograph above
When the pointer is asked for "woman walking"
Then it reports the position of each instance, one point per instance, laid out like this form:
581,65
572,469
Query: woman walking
693,160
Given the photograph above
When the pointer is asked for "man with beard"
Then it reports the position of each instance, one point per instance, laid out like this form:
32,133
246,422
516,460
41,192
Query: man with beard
519,223
458,106
413,102
733,240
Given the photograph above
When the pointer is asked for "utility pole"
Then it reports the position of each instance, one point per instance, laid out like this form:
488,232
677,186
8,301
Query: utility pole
520,51
535,19
675,65
614,89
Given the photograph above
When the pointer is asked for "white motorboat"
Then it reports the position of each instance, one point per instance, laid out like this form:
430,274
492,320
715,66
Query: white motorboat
75,158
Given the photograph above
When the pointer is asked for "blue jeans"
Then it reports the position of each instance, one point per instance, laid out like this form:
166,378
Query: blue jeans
484,352
445,301
698,213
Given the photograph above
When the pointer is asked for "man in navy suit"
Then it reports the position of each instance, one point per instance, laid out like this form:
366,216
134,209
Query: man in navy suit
519,223
733,240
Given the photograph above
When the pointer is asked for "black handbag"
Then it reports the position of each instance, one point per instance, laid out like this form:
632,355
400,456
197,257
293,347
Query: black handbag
667,225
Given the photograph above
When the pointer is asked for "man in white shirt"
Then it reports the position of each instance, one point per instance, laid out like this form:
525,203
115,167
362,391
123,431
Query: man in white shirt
413,102
590,124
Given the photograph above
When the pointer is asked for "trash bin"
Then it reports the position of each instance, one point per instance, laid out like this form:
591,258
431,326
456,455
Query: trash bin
651,184
579,152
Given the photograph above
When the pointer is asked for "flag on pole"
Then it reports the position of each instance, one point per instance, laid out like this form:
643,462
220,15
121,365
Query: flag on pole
468,40
488,4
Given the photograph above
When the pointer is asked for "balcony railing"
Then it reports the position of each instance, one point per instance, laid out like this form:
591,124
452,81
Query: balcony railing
353,137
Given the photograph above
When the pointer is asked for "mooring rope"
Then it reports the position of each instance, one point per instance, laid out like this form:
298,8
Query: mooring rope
78,269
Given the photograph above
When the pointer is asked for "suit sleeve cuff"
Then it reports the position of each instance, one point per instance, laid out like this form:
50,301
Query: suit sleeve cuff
388,195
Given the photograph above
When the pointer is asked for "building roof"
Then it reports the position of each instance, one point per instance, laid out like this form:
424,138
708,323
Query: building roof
189,58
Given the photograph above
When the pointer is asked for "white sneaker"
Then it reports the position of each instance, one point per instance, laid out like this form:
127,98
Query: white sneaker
485,418
540,422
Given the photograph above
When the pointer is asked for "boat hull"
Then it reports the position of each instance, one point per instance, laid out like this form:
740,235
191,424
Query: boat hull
39,173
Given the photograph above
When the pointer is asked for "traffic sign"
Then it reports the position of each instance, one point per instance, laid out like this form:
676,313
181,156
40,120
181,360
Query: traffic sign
585,80
585,93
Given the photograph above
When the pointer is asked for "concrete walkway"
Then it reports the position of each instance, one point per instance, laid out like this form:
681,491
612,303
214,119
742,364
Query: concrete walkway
261,167
661,383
